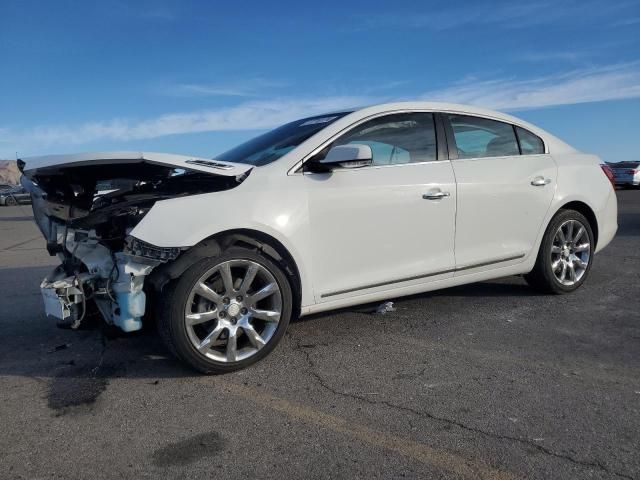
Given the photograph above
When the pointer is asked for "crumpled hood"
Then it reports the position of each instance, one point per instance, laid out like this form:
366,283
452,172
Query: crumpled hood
93,190
51,163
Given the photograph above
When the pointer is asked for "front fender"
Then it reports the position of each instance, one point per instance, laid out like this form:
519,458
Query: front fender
262,204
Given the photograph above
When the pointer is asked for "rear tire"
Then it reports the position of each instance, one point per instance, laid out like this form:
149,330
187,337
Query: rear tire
565,256
226,312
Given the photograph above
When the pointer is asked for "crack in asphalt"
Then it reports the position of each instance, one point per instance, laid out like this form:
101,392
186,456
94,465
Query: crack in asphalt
103,351
563,456
10,247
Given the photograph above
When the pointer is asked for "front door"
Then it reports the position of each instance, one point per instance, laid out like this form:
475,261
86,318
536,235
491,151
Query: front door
388,225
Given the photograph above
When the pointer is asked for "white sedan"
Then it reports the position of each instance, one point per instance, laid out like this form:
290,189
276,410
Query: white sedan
325,212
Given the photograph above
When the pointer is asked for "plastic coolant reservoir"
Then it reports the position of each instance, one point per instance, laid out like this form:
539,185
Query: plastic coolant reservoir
132,307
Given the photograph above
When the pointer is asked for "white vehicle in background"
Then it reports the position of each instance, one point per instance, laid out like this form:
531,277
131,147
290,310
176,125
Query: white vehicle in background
626,174
325,212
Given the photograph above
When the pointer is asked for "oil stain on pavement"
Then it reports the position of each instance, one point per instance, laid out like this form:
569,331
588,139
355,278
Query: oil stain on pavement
77,388
189,450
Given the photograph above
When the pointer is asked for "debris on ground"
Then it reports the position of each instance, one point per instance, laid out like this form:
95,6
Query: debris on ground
385,308
156,357
57,348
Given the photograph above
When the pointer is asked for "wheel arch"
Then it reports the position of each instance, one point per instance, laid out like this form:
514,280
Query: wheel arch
585,210
221,241
271,247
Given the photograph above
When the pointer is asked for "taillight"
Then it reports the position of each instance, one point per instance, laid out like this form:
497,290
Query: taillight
609,173
631,172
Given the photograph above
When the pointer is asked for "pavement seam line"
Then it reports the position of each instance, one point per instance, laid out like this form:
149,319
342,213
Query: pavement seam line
6,249
524,441
408,448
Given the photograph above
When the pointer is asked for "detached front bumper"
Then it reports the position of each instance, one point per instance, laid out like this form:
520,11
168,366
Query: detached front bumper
63,298
112,281
119,296
89,229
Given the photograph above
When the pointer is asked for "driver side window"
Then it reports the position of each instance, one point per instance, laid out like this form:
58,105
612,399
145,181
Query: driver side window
394,139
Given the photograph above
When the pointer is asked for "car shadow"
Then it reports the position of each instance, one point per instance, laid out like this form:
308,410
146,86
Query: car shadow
85,361
32,346
76,367
506,287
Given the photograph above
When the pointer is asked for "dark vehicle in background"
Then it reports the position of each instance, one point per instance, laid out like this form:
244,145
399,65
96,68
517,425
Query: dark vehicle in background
14,195
626,173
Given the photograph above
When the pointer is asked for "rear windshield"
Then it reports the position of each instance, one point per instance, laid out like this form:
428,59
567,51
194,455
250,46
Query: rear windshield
272,145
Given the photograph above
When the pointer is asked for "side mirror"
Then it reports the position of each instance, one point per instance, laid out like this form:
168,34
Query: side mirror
349,156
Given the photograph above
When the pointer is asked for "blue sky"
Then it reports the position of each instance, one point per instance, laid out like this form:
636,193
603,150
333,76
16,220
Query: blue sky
198,77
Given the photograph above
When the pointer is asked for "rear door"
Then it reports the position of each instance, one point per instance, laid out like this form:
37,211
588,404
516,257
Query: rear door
505,184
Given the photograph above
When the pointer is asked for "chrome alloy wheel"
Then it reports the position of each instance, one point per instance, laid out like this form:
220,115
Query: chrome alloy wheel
570,252
233,310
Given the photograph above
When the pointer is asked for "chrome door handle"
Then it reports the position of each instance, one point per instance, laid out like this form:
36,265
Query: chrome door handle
435,195
540,181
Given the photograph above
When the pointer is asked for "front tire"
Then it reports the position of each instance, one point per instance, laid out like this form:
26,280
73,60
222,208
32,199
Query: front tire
565,256
226,312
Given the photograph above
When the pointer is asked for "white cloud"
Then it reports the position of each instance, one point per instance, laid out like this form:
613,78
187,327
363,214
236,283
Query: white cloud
246,88
507,14
546,57
210,91
579,86
246,116
493,13
626,22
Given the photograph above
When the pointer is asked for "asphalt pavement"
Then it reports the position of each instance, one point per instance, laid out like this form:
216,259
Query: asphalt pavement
482,381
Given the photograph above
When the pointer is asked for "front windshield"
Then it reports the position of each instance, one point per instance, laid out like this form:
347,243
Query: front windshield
272,145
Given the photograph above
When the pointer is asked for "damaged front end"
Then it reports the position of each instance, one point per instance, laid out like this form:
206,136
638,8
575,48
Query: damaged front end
86,207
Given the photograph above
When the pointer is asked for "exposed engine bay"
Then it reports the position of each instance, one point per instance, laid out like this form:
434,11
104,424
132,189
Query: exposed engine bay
86,210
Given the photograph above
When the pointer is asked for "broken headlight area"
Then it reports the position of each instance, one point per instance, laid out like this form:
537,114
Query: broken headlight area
138,248
86,214
93,275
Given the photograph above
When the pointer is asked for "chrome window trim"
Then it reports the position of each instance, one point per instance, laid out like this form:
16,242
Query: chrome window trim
503,156
544,144
512,124
372,167
294,169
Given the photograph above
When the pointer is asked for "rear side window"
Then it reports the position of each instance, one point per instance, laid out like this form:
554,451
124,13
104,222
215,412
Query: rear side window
480,137
396,138
530,144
